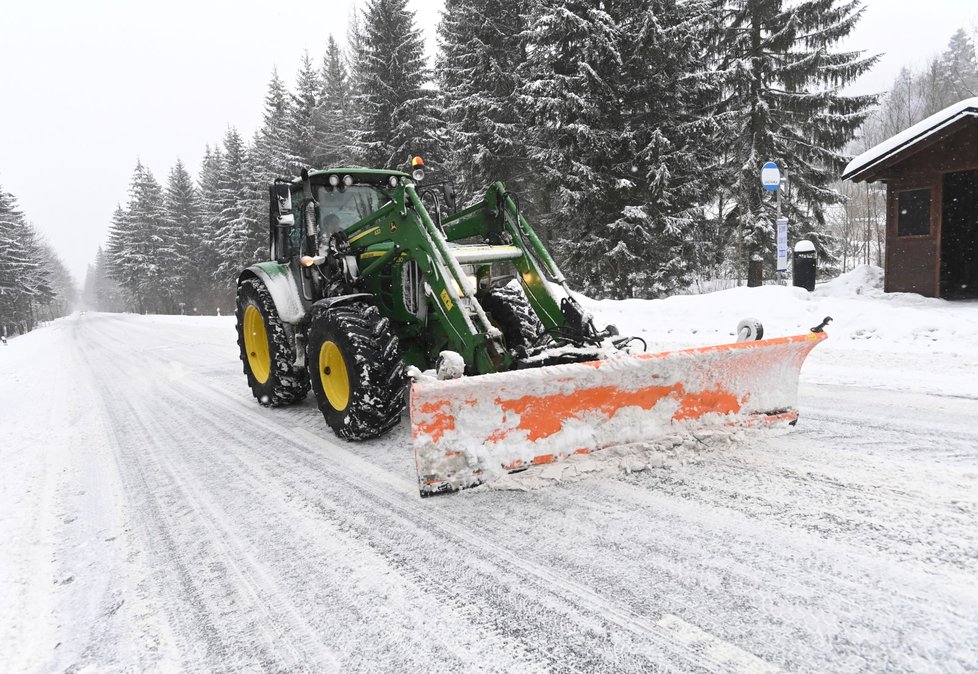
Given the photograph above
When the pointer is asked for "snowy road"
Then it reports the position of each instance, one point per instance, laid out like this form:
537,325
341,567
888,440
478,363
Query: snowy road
156,518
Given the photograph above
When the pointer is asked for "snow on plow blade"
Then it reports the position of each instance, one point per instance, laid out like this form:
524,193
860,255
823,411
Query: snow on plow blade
471,429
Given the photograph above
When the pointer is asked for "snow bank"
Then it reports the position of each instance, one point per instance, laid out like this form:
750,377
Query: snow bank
887,340
865,318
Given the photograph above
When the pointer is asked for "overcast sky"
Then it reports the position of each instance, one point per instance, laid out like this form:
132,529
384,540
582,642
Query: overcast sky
90,86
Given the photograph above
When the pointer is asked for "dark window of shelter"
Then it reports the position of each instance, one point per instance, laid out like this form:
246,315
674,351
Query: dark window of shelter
913,218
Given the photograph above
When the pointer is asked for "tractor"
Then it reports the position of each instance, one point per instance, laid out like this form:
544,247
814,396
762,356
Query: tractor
378,291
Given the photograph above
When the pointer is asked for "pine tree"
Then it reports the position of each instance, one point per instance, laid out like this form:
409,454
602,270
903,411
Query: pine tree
273,148
121,265
154,244
781,102
570,93
100,292
239,235
181,212
395,112
62,292
667,95
477,75
143,248
22,274
957,70
302,113
332,119
13,256
209,255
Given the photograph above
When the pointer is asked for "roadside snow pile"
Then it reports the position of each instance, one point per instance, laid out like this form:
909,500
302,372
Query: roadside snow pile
864,317
876,339
865,280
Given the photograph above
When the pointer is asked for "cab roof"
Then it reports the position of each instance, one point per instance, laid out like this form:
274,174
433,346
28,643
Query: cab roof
360,172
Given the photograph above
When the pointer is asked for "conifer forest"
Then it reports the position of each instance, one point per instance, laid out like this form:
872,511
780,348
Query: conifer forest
632,131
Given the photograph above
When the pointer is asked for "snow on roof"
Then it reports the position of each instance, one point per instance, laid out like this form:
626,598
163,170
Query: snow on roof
912,136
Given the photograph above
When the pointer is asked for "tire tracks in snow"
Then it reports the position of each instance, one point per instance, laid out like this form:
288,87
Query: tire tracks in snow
169,498
579,595
573,592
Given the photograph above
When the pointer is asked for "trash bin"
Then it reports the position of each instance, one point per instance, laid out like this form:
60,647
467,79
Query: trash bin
755,271
804,265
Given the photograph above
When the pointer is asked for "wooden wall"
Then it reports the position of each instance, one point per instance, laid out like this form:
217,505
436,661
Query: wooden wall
913,262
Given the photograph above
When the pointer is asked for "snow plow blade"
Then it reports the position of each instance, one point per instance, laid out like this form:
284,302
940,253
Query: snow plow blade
468,430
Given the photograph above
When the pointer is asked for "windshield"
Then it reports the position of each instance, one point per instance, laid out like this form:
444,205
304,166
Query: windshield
341,207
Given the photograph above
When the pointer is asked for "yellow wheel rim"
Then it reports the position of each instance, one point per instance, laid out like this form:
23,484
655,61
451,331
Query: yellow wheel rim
256,344
334,377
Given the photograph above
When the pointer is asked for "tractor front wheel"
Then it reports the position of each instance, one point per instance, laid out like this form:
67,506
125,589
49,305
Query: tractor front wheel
356,371
510,311
267,352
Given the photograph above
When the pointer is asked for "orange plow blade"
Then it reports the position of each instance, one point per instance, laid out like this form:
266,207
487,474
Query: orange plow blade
468,430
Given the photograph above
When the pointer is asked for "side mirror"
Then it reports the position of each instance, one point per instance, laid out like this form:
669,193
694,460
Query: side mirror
280,221
448,190
283,200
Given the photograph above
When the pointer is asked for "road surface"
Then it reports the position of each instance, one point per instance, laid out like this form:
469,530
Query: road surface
155,518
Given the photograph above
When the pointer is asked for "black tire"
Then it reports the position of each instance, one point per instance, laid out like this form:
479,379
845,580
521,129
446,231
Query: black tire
282,383
511,312
356,336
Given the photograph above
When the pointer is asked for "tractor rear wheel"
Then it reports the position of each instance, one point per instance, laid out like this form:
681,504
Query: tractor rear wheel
267,352
511,312
356,371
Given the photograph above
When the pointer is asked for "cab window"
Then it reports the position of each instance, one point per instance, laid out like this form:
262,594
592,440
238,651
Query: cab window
340,207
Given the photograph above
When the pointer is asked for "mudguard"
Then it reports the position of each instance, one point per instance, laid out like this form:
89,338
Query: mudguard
281,285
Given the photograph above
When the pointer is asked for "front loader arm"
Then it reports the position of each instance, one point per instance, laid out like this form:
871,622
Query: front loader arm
405,223
498,218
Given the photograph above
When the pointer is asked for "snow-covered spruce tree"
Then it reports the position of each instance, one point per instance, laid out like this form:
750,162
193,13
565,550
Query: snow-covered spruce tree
209,255
482,47
122,263
272,153
781,102
37,280
101,292
569,93
618,134
181,212
140,245
150,255
61,294
395,113
24,278
13,258
240,235
957,70
301,115
332,118
666,95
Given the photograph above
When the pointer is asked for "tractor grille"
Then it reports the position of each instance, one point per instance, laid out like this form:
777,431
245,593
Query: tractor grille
411,287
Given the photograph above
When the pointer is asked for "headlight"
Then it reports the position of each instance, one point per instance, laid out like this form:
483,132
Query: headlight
418,175
392,181
334,180
347,180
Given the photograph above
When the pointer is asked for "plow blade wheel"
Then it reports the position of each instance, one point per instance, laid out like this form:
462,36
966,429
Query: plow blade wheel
468,430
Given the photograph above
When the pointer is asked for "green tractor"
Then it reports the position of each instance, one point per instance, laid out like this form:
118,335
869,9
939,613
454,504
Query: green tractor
375,280
371,274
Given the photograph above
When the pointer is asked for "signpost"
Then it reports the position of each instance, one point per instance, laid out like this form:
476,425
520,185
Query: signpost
771,180
782,245
771,176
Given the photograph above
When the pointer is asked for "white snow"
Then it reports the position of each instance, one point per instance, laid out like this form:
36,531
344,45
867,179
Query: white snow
155,517
918,132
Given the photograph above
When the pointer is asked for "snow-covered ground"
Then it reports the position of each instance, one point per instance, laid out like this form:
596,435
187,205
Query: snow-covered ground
153,517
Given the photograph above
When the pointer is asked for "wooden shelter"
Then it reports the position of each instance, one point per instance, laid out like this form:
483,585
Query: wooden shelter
931,176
